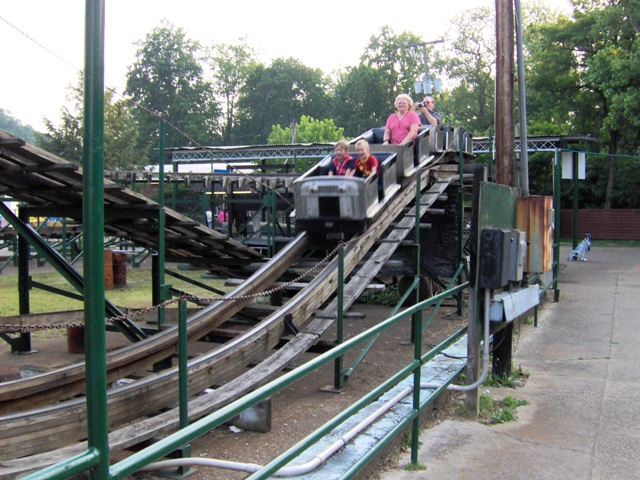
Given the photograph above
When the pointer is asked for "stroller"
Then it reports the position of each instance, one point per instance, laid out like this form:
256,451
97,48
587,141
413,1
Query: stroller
580,252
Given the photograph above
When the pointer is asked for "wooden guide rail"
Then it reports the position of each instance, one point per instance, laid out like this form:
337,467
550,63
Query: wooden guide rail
30,433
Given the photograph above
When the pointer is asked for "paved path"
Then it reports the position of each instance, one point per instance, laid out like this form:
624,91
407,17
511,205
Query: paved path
583,416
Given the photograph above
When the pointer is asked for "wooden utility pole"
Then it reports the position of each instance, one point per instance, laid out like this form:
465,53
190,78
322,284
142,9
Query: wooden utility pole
505,148
504,125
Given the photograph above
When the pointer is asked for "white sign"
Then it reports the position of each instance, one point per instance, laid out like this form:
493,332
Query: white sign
567,165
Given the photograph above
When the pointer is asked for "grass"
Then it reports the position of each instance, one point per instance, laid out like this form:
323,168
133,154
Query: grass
494,411
516,379
136,294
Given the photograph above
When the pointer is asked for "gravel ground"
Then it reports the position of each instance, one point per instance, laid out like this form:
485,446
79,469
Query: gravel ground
296,412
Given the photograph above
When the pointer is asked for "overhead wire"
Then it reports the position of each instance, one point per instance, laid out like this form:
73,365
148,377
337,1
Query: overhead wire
159,116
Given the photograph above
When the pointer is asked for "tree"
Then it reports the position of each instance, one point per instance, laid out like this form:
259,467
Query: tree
592,64
360,97
391,53
469,62
279,94
166,82
308,130
120,132
232,64
15,127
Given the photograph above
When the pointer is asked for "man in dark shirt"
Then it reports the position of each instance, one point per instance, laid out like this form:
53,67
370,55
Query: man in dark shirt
427,113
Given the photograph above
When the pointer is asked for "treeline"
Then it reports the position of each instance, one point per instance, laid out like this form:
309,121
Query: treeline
581,74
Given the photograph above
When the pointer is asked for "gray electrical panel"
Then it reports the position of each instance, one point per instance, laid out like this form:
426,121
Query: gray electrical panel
494,257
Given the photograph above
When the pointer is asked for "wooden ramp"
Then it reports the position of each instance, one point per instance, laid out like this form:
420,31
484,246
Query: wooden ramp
49,186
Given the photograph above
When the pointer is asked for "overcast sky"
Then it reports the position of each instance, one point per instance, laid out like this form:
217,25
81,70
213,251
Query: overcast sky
43,40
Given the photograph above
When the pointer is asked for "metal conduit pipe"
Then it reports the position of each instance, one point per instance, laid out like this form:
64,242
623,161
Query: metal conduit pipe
485,354
343,440
286,471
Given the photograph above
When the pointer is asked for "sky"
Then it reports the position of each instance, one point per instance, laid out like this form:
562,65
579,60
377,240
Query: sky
43,40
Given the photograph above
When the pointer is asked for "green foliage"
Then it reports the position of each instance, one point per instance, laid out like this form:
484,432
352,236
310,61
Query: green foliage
583,78
166,82
308,130
14,126
231,64
505,410
361,99
495,411
516,379
388,52
415,467
120,132
389,297
279,95
469,60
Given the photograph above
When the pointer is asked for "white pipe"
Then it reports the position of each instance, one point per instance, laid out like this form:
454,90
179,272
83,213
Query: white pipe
344,439
485,355
286,471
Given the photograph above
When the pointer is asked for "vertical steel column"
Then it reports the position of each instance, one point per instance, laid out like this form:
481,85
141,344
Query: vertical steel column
460,296
93,221
23,343
574,159
557,179
338,377
161,223
183,351
416,323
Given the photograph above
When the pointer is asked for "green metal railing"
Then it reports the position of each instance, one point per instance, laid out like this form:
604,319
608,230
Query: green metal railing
189,433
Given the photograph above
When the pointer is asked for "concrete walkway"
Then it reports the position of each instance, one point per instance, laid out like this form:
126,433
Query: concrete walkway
583,416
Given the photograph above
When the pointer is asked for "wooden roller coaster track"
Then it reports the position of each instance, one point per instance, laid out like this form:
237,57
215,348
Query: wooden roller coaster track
32,438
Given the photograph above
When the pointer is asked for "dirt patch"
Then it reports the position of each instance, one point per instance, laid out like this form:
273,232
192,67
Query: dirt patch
303,407
298,410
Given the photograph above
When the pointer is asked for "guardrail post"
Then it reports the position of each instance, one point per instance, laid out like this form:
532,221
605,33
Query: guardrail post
557,180
185,450
338,377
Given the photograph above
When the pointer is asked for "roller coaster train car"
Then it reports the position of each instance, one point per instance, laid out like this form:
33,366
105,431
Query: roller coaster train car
349,204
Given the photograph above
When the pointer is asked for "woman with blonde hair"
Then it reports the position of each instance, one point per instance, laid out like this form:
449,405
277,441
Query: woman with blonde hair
402,126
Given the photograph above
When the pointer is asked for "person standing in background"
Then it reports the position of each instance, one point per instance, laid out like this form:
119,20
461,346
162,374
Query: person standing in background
254,210
209,216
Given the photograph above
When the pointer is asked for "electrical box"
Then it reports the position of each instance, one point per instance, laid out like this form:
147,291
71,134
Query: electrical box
517,254
495,254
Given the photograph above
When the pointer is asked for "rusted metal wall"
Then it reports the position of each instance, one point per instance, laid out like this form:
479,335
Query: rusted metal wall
534,215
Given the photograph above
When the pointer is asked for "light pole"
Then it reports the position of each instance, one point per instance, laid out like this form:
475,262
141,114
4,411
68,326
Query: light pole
428,85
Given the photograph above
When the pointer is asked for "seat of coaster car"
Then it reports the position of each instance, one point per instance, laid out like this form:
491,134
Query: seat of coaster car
373,136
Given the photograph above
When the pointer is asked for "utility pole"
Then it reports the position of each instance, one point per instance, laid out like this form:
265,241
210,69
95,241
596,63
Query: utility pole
428,85
505,132
505,148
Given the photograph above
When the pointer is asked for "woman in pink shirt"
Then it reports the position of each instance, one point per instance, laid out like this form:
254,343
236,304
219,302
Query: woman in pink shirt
402,126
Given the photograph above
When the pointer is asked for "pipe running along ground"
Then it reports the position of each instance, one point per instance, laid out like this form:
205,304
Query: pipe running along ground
322,457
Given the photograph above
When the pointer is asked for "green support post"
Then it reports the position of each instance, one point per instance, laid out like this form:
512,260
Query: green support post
574,158
460,298
557,176
339,378
161,225
93,221
416,323
22,344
